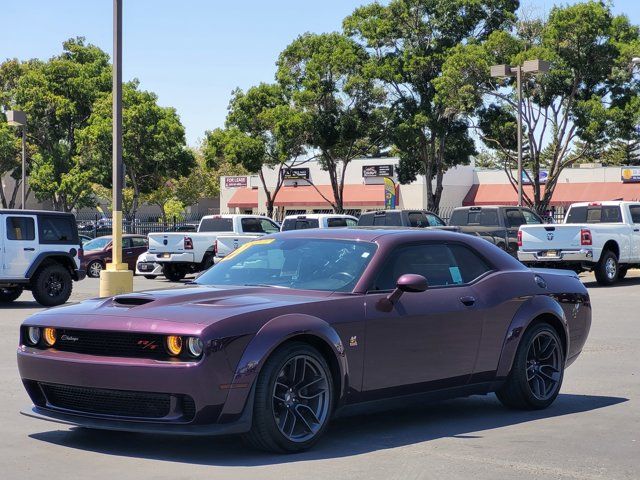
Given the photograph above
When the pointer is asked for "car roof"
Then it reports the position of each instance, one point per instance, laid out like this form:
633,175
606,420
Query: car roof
302,216
371,234
597,203
15,211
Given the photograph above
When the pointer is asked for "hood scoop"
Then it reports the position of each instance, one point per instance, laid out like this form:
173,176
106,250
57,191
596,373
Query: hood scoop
132,301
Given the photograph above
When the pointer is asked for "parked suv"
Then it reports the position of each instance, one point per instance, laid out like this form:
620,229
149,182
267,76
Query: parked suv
39,251
400,218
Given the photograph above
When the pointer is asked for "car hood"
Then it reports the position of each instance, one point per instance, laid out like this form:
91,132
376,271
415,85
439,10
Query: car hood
180,310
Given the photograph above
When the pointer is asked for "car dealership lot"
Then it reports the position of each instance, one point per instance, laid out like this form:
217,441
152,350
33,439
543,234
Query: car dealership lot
591,432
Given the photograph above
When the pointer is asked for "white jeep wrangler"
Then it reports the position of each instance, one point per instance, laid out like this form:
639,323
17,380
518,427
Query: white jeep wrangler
39,251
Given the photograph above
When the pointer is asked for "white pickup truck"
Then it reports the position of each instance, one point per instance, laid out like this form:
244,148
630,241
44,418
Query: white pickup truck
181,253
603,237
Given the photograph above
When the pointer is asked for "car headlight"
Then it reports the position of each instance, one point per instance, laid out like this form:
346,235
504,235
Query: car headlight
50,336
195,346
174,345
34,335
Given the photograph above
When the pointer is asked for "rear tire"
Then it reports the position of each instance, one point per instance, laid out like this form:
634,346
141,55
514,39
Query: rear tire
94,268
537,372
174,273
10,294
607,269
293,400
51,285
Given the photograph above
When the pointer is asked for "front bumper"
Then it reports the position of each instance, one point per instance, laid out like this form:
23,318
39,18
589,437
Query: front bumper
201,381
583,255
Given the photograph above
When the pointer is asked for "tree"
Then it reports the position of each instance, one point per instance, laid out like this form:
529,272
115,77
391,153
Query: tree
408,42
587,100
263,129
58,97
153,141
10,163
326,77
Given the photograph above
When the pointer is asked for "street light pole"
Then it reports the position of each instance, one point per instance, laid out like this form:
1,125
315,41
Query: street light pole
529,66
116,278
519,86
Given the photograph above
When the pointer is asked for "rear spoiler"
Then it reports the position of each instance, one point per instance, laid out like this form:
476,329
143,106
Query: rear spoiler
555,271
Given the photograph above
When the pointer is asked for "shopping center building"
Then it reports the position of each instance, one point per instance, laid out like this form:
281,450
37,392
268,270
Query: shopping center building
307,188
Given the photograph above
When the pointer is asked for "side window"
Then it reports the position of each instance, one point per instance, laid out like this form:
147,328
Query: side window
530,217
471,265
56,230
126,242
489,218
435,262
515,218
268,226
139,242
417,219
378,220
20,228
351,222
434,221
635,213
251,225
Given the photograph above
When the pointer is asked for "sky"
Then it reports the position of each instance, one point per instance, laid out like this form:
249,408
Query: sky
192,53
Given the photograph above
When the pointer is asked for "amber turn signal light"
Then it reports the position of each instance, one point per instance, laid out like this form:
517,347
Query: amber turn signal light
50,336
174,345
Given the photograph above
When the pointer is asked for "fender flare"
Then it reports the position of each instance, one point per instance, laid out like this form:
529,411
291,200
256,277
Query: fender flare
527,313
273,334
42,256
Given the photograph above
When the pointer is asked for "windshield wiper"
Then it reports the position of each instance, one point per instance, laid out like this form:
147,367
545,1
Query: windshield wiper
263,285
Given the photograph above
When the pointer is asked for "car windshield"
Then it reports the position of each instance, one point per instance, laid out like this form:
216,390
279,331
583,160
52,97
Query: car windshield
302,263
97,243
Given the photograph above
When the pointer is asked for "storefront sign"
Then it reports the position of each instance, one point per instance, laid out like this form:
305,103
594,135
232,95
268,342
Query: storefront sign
630,175
390,195
296,173
543,175
235,182
377,171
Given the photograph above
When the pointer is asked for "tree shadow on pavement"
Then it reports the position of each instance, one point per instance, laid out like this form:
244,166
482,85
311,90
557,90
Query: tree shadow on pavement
461,418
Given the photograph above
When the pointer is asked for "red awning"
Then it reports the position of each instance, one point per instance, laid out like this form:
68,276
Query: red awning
244,198
564,193
309,196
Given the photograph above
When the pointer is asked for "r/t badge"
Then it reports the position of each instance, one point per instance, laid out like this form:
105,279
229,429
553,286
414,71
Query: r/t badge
353,341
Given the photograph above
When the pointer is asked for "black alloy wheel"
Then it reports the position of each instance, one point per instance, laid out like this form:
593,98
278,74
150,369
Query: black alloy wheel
543,365
300,398
52,285
293,400
537,371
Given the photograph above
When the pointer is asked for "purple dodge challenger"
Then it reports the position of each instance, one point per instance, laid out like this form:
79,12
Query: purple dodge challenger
298,327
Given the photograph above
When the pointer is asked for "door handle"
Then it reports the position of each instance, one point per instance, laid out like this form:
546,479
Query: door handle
29,249
128,253
636,229
468,300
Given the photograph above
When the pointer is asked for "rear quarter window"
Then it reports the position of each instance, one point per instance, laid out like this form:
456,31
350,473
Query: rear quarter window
57,230
216,225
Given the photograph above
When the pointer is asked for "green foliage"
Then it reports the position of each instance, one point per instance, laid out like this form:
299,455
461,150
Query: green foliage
153,141
409,42
587,101
325,75
10,162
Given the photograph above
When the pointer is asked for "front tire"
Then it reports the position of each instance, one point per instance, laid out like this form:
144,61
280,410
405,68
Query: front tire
607,269
293,400
537,372
94,268
52,285
10,294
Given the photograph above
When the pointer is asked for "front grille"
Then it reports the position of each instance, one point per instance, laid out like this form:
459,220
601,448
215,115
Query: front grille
112,344
119,403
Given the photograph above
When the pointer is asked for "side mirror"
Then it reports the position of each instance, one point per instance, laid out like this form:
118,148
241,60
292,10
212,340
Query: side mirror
409,282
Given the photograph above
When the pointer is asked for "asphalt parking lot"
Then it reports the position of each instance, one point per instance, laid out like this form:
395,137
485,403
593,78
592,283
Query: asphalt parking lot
591,432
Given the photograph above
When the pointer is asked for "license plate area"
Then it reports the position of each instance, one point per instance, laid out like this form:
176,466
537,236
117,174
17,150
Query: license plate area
166,255
551,253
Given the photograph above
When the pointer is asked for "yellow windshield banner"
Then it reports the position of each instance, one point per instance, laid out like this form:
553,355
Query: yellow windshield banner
242,248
